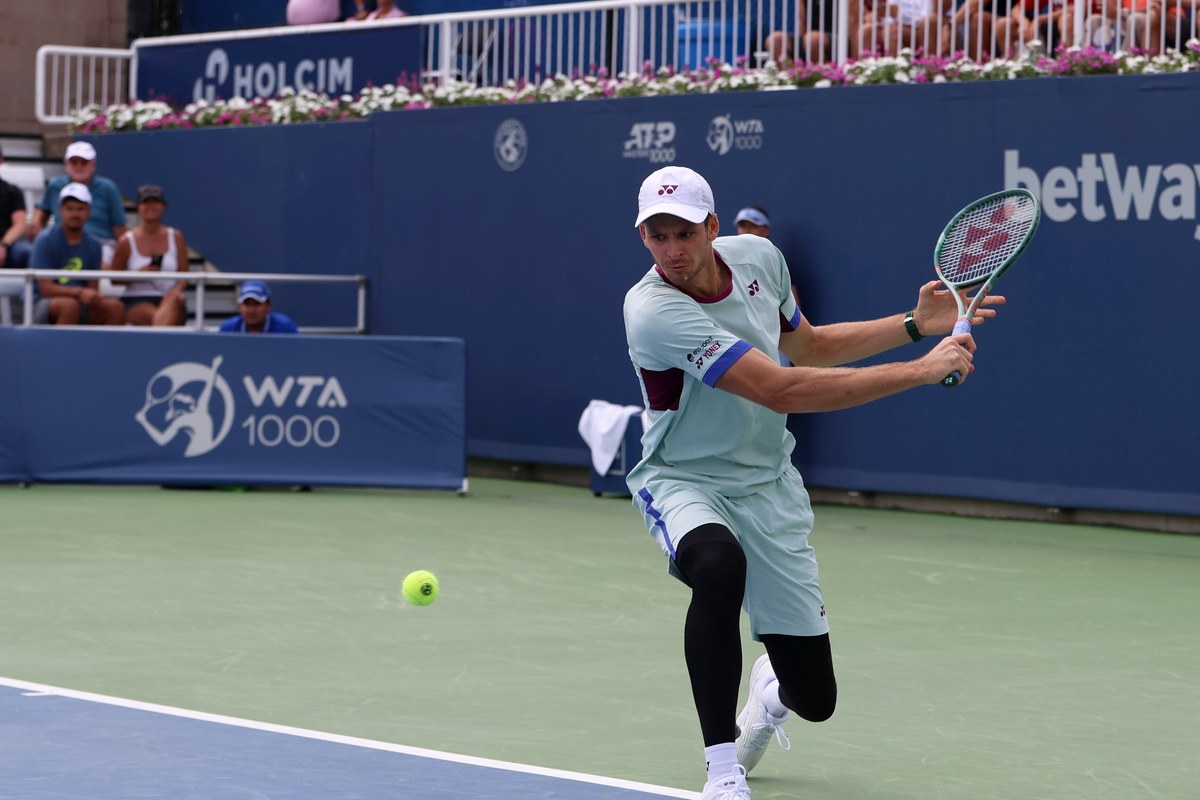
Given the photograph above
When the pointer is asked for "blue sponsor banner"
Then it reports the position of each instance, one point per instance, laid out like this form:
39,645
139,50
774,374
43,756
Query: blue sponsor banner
195,409
334,61
1078,399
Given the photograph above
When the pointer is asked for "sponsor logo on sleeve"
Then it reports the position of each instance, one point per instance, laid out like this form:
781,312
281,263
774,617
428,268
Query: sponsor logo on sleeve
707,349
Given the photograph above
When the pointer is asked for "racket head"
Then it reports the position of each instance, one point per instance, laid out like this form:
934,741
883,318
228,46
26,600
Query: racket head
986,237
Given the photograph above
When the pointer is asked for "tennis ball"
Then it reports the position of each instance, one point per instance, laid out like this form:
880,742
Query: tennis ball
420,587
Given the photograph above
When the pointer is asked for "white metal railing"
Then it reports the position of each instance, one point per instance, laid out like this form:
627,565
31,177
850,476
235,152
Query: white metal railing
68,78
535,42
200,280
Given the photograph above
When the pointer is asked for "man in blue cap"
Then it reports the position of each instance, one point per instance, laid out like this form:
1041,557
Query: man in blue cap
255,314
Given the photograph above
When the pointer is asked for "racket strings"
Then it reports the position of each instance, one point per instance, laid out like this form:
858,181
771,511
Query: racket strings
985,237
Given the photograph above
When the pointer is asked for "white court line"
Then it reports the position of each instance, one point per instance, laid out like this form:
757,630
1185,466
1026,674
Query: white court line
44,689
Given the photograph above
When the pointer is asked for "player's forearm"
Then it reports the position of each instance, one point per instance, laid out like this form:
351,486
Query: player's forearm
810,390
795,390
847,342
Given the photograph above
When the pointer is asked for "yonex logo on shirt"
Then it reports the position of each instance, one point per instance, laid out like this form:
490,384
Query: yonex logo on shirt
707,349
753,287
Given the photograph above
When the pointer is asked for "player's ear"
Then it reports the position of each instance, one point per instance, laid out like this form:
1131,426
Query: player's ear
714,226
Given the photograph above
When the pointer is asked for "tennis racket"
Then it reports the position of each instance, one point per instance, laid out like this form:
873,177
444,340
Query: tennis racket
978,244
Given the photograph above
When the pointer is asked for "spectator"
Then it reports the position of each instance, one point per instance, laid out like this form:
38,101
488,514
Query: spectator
815,30
107,220
14,243
906,23
1048,21
753,220
973,22
313,12
385,9
256,316
68,245
152,247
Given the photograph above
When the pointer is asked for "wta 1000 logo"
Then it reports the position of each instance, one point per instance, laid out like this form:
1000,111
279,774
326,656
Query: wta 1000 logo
193,401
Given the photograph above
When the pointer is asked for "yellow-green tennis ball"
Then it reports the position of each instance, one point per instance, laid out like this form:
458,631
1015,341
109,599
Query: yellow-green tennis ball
420,587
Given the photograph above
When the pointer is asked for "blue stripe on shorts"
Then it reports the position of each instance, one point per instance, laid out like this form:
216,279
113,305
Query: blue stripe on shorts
659,522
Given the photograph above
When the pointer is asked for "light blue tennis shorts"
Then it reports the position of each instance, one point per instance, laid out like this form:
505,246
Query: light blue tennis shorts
783,592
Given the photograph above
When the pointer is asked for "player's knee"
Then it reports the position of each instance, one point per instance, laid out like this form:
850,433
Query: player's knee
821,710
715,566
814,703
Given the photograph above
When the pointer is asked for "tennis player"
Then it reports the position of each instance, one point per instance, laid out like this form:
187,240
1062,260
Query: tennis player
716,485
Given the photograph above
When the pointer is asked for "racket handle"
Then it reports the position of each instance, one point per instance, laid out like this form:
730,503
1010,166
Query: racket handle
954,378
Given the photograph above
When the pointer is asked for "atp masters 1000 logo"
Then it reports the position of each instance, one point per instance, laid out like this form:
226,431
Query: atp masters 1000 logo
193,400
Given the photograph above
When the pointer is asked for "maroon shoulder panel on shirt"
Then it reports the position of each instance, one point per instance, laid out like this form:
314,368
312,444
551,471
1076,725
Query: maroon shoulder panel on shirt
663,388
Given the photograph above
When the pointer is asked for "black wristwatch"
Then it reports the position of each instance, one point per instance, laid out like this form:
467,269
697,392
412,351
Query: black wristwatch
910,325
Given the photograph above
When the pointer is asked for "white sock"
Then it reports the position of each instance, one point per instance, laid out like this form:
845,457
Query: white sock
775,706
721,758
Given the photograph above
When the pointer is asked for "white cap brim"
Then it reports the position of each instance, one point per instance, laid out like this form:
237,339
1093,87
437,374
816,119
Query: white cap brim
687,212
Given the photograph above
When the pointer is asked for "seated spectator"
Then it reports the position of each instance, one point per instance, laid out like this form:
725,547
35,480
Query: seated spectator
1051,22
385,9
152,247
814,31
1140,21
753,220
313,12
68,245
972,24
256,316
917,24
14,243
107,220
1183,23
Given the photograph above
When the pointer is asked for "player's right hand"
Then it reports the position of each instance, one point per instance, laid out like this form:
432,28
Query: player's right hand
952,354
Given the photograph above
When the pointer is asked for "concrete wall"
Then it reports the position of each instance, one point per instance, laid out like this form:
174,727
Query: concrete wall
26,25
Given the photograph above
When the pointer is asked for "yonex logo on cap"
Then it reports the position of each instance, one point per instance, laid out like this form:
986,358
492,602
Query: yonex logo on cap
686,195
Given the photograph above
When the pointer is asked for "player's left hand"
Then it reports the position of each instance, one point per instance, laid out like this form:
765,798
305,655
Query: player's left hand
937,312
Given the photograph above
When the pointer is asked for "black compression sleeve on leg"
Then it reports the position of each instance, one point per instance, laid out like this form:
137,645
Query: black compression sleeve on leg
713,563
804,667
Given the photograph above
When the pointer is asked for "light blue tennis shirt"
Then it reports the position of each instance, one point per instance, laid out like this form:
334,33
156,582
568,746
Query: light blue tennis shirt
681,345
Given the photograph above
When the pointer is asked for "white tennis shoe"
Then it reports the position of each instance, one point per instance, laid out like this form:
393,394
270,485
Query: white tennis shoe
731,788
755,723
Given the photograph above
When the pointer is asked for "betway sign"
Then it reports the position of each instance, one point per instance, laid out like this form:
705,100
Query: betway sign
1101,187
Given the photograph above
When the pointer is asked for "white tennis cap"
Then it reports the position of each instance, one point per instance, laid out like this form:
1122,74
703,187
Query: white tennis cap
75,191
80,150
678,191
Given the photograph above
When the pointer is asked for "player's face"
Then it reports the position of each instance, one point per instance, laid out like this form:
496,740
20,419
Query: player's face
254,312
682,249
74,214
80,170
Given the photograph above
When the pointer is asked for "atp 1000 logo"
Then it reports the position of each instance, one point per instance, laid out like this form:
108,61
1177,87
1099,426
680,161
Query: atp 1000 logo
193,399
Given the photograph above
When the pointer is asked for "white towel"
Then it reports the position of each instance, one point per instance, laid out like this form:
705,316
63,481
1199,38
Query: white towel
602,426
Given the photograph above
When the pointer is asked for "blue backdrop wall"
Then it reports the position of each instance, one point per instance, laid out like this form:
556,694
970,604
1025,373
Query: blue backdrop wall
512,228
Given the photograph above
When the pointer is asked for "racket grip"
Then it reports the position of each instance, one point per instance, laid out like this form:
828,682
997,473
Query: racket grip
954,378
